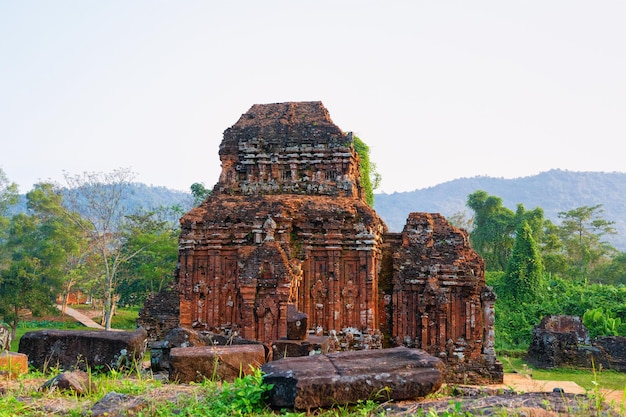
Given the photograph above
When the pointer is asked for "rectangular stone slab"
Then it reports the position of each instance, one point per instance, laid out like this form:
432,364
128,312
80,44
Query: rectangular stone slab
224,363
347,377
83,349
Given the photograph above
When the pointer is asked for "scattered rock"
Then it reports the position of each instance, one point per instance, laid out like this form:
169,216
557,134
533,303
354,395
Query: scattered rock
533,404
116,405
347,377
563,341
78,382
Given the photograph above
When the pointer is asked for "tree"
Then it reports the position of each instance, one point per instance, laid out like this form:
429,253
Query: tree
199,193
612,273
581,231
493,233
154,239
98,198
40,242
370,178
524,271
9,195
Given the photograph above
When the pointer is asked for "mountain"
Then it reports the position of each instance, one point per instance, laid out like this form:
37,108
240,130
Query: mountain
140,196
554,191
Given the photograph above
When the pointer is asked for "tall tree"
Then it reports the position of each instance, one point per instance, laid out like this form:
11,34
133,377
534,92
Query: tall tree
41,242
9,195
493,233
154,239
581,231
98,198
370,178
524,271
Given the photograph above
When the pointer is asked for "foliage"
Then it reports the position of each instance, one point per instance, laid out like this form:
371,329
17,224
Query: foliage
370,178
244,396
582,230
153,239
492,234
515,320
8,197
42,243
599,323
524,271
8,193
608,379
199,193
613,272
124,318
99,197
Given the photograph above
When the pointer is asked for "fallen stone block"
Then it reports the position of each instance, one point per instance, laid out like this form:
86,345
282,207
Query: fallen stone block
224,363
89,349
283,348
78,382
183,337
13,364
348,377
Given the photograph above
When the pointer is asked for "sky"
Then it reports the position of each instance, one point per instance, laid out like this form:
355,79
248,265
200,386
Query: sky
439,90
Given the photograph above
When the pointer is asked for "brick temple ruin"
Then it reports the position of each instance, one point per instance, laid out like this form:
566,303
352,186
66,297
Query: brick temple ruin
287,229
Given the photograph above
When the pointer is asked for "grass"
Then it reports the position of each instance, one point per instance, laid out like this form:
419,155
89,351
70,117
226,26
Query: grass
586,378
124,318
243,397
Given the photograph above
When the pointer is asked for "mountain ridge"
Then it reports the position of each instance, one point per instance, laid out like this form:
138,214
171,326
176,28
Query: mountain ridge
554,191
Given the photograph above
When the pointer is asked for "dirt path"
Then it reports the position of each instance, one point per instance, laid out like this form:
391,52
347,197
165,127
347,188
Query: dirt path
521,383
87,321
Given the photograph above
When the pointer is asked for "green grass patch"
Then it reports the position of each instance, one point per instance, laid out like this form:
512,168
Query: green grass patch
32,326
586,378
124,318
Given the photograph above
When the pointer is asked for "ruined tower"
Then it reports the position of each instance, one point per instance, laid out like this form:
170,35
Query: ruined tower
287,225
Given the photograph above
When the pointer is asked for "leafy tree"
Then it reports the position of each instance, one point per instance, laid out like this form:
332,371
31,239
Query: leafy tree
581,231
493,233
65,240
98,197
40,242
8,196
154,239
199,193
9,193
524,272
370,178
613,272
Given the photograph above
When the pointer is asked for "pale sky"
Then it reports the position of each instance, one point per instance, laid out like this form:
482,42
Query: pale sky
439,89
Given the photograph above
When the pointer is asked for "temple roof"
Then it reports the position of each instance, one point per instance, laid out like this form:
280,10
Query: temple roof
284,124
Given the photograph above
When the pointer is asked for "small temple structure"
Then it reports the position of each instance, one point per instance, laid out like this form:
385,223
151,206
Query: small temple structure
287,228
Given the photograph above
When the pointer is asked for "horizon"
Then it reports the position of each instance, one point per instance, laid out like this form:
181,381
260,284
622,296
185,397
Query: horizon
210,186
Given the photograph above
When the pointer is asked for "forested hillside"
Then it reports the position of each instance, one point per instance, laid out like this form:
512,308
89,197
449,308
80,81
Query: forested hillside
554,191
141,197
